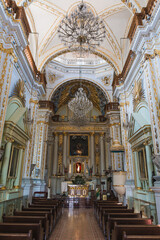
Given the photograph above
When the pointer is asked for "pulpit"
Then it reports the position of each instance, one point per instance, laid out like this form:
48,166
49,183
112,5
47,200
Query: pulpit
78,190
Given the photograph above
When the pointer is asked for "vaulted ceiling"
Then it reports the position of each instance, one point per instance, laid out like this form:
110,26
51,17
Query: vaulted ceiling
45,15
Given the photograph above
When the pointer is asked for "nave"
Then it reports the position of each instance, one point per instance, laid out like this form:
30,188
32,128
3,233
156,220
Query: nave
76,224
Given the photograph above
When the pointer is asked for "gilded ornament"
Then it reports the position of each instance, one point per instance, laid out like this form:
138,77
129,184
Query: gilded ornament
97,139
60,158
19,91
60,139
138,94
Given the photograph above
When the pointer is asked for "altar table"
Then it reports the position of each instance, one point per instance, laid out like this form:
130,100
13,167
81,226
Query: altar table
78,190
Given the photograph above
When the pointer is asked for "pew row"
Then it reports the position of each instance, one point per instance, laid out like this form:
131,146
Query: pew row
37,213
125,221
108,211
16,236
37,230
138,230
142,237
121,215
30,219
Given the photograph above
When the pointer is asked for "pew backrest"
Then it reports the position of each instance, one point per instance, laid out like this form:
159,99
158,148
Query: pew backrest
142,237
37,230
134,230
16,236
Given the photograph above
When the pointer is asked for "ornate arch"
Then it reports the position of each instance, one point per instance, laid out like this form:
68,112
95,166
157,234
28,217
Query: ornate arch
97,53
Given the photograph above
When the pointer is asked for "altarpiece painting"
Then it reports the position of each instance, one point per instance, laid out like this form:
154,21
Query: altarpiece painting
79,145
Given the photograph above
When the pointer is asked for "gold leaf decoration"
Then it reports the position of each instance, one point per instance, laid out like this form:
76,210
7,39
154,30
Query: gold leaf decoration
138,94
19,91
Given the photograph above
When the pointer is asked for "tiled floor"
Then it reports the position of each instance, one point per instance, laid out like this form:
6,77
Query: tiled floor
77,224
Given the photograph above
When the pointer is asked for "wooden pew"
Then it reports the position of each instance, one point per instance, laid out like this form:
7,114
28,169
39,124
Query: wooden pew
36,228
125,221
142,237
121,215
96,203
16,236
37,213
103,208
58,212
107,212
30,219
99,206
134,230
43,208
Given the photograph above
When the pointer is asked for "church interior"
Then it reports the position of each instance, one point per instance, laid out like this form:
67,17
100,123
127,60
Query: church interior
79,119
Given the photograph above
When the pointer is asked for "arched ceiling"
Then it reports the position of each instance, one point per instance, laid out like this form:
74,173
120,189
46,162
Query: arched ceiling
45,16
67,91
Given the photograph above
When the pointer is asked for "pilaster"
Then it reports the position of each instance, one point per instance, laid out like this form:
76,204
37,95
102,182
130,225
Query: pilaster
55,160
6,163
31,143
128,162
92,154
153,101
102,163
7,58
40,149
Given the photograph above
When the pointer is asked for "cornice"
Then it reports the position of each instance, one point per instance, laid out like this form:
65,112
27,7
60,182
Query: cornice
144,131
142,33
16,43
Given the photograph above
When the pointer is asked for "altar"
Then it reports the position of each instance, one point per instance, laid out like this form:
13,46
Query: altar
78,190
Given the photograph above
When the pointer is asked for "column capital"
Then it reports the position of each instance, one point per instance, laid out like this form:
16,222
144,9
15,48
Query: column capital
33,101
65,133
92,133
8,139
102,134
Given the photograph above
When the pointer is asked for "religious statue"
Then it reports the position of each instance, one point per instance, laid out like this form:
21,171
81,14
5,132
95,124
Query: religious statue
78,167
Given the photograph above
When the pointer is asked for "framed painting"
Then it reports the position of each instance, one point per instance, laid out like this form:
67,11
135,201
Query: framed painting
13,162
79,145
142,164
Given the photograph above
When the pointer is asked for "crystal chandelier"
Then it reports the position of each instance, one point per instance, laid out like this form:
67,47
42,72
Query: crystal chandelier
79,121
81,30
80,105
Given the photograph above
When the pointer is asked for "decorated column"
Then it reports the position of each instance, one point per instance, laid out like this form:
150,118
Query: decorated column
60,154
65,150
41,139
19,168
102,154
92,154
55,160
6,163
153,99
97,154
28,165
7,57
138,182
128,163
115,134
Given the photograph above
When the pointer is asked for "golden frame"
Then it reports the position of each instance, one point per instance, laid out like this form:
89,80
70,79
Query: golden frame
78,155
145,164
10,162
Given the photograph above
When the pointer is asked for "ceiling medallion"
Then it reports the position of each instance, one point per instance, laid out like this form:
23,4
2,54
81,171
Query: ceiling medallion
81,30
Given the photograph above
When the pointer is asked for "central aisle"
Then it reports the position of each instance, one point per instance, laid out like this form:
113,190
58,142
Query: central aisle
77,224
